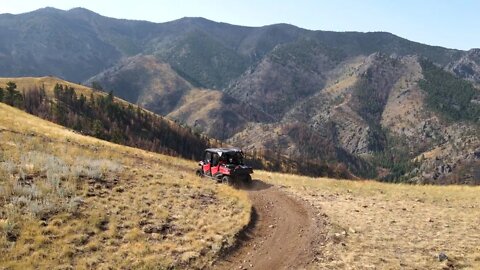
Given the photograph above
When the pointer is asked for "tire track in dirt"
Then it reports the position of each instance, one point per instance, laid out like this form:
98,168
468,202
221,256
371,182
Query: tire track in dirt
281,236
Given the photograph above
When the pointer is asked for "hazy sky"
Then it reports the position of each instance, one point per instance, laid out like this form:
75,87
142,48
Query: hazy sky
448,23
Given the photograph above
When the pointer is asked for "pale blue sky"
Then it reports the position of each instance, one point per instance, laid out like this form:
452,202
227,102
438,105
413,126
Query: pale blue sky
447,23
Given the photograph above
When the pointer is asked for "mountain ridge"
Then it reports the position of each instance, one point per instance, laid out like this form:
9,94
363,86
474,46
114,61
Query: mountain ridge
321,96
148,31
80,9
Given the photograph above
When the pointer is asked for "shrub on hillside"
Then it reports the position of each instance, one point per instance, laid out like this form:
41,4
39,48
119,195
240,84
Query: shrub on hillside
41,184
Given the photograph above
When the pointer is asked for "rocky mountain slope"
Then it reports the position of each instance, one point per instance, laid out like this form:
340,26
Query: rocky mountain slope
468,66
378,104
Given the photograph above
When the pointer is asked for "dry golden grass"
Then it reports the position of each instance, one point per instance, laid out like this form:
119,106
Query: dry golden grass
129,208
200,101
341,79
372,225
430,154
26,83
341,85
198,104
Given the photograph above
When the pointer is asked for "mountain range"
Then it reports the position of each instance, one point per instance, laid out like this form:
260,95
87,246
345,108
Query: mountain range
380,105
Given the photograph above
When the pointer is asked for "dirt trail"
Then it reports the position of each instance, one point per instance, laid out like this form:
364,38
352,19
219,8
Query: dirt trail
281,236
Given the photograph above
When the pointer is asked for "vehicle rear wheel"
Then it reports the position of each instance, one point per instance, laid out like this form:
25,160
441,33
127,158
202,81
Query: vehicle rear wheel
227,180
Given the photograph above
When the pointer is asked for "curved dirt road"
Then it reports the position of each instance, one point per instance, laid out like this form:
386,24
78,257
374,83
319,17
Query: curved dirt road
281,236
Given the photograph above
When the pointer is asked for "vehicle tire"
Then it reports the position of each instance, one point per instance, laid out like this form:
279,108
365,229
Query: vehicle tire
248,179
217,177
227,180
199,173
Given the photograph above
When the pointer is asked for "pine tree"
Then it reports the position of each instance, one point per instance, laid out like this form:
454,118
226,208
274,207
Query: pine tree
82,101
12,96
110,97
92,100
57,91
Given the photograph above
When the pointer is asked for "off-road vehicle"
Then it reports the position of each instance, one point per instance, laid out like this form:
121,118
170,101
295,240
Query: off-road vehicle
225,165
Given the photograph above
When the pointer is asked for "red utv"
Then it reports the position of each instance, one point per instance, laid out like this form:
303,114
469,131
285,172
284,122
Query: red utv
225,165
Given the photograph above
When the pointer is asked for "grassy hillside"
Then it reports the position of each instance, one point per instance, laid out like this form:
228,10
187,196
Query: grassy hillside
372,225
100,115
72,201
